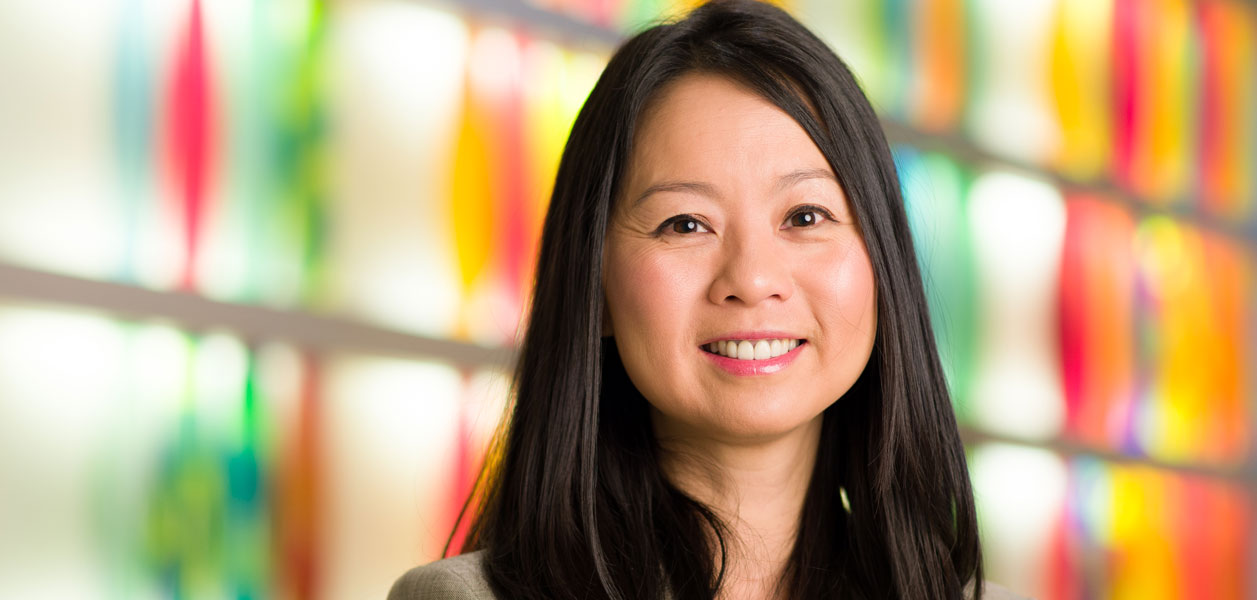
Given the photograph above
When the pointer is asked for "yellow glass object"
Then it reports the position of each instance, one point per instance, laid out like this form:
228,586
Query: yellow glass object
1080,71
1192,293
475,182
1142,561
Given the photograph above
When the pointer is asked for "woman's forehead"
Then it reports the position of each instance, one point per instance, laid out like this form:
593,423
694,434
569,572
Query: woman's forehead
705,125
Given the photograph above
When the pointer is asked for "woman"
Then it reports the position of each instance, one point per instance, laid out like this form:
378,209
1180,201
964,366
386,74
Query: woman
728,387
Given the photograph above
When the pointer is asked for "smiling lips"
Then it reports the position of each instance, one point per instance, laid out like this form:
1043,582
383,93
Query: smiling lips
744,357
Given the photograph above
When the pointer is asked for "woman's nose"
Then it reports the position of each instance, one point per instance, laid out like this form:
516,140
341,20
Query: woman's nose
752,268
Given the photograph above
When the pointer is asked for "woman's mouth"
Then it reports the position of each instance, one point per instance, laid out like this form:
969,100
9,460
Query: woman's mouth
764,349
753,357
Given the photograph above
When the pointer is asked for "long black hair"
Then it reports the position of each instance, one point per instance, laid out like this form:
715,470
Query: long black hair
574,504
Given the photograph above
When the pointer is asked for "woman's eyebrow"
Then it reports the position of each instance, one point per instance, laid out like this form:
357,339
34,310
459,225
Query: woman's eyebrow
801,175
709,190
697,187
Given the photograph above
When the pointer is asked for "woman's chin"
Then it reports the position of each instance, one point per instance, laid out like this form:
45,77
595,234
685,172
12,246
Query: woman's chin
753,423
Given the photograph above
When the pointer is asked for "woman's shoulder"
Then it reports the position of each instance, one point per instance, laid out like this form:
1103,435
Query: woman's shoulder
456,578
462,578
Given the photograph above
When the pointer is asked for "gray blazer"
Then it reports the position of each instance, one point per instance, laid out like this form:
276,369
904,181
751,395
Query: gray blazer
462,578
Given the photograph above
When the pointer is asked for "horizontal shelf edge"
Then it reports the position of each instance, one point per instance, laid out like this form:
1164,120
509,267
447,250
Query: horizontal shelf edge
1242,475
253,323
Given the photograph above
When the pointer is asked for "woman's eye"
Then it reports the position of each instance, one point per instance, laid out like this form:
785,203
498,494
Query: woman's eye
808,216
684,224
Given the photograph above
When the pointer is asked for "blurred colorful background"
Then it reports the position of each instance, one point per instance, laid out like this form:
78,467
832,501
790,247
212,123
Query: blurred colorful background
262,264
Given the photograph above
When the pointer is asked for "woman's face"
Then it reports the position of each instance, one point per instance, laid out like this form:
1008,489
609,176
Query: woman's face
739,290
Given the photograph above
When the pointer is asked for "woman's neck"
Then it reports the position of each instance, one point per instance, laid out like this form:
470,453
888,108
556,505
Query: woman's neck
757,489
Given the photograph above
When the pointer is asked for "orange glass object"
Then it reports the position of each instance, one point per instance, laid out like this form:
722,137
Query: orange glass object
297,483
1229,108
1176,536
938,95
1228,273
1163,160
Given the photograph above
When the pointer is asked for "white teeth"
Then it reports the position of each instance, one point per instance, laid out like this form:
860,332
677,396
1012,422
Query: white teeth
752,350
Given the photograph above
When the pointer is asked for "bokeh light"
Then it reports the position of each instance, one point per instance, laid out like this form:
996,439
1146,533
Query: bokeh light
263,265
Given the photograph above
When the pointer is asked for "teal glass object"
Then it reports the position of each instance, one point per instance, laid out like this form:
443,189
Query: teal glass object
901,70
133,131
277,152
934,189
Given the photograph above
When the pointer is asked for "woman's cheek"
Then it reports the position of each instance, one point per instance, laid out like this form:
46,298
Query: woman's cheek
644,288
841,285
657,285
858,292
653,300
